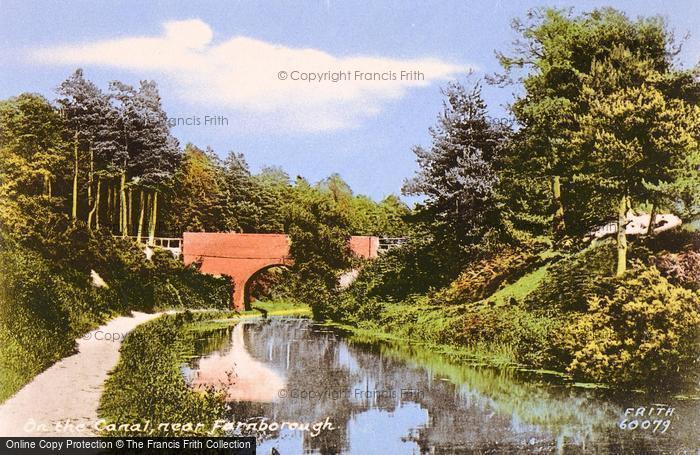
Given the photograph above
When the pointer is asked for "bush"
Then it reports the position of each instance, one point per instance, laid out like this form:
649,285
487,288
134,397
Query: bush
484,277
180,286
673,241
682,269
646,329
572,281
41,314
47,299
528,335
414,268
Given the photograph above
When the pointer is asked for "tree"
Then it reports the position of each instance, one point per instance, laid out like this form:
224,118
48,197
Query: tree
639,140
33,160
457,175
197,192
557,50
149,154
86,110
319,235
394,213
253,203
130,124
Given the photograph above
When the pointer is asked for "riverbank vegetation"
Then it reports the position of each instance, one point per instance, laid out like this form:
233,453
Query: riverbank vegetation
148,385
509,255
49,298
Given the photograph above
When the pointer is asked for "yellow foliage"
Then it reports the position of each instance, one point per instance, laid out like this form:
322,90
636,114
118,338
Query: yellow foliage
646,328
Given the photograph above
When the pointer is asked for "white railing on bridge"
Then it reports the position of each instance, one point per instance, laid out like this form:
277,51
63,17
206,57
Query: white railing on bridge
389,243
172,244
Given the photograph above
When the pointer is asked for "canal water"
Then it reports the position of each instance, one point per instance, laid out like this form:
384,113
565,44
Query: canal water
388,398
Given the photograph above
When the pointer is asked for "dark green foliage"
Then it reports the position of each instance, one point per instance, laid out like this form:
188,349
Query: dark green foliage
413,268
37,313
557,58
457,174
319,235
572,281
147,384
180,286
47,299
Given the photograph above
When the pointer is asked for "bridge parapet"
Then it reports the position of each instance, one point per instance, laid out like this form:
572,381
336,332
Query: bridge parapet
172,244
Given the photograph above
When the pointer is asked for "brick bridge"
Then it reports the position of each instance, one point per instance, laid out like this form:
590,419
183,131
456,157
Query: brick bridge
242,256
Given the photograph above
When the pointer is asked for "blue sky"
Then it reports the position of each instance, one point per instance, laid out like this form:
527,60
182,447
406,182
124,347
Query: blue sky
224,58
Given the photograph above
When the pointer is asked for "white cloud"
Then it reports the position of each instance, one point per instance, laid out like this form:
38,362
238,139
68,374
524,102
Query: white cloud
241,74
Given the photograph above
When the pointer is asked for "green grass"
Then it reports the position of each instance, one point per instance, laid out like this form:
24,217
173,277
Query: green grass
147,385
495,331
279,308
520,288
429,331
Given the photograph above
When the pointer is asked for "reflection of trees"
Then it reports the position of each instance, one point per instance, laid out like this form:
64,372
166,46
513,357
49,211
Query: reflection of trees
313,366
494,408
207,341
489,409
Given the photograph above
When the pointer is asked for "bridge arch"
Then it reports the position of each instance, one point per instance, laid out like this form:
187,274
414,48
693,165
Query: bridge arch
249,282
241,256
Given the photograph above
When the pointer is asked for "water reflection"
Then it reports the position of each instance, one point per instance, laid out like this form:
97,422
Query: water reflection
233,370
397,398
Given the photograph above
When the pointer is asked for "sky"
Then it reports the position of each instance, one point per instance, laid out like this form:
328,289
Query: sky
235,75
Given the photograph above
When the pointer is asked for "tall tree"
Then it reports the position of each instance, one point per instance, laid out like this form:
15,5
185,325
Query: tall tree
33,159
457,175
642,144
85,108
131,125
197,192
319,234
555,51
149,153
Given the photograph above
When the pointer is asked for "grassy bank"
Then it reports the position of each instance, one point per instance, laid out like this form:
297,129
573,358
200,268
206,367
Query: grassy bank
147,384
548,311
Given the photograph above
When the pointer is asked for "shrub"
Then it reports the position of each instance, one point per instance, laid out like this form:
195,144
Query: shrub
413,268
573,280
41,314
147,385
47,300
485,276
682,269
647,328
673,241
180,286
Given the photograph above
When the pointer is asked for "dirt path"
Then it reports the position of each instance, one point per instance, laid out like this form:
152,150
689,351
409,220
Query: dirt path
63,400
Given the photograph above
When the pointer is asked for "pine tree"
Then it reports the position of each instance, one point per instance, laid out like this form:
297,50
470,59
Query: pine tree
84,107
642,144
457,176
557,50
